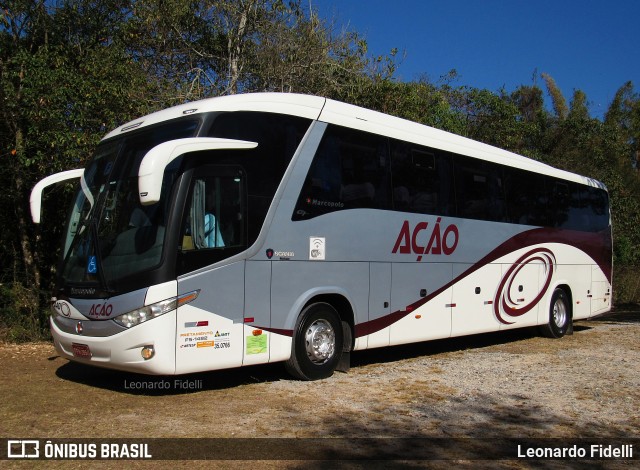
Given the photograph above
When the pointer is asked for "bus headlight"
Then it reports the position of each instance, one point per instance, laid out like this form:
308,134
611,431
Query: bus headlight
148,312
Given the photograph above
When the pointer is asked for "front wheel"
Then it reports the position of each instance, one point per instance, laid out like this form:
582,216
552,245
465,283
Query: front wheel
317,343
559,315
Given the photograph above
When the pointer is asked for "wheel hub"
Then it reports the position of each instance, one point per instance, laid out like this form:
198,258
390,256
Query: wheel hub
559,313
320,340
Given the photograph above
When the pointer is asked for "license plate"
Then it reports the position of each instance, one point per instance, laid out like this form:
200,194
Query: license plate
81,350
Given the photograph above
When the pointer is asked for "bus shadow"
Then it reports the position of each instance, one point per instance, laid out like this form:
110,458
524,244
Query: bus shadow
156,385
447,345
622,314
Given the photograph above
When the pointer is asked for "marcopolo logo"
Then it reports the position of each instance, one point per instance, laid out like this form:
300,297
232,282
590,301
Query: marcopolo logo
62,308
423,240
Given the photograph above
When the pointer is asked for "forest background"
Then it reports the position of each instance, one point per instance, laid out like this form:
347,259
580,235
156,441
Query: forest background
72,70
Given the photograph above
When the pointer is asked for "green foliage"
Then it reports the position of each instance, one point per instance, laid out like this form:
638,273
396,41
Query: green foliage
22,317
72,70
627,284
557,99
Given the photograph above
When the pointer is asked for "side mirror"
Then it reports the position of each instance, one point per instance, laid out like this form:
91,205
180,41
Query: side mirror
158,158
35,200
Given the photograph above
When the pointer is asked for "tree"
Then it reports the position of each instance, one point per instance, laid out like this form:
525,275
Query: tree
623,117
307,56
74,69
62,85
557,98
70,71
491,118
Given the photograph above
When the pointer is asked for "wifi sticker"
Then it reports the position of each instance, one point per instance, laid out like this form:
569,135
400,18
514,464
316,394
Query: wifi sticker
316,248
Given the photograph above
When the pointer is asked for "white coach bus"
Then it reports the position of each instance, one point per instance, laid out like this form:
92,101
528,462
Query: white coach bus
279,227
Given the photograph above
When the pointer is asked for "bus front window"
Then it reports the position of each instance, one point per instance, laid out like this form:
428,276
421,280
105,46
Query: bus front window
110,235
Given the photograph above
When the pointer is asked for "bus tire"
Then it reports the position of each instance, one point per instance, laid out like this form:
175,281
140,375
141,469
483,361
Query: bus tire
559,315
317,343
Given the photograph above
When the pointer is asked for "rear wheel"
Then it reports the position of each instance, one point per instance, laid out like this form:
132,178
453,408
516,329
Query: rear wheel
317,343
559,315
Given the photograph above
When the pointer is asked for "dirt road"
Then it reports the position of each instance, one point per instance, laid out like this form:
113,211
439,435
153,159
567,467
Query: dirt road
512,384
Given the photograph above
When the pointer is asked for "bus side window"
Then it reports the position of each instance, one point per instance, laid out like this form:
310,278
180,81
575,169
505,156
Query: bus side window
421,179
526,198
599,207
560,202
349,171
578,208
479,190
202,229
214,217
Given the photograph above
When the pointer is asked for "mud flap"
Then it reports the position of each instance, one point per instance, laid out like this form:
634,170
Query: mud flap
570,328
345,360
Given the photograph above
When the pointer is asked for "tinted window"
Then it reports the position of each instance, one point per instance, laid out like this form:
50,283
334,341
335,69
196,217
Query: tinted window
421,180
578,207
560,204
534,199
526,197
479,190
571,206
354,169
278,137
350,171
128,237
599,206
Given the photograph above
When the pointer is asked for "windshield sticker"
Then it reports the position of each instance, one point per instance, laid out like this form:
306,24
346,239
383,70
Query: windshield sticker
316,248
256,344
92,265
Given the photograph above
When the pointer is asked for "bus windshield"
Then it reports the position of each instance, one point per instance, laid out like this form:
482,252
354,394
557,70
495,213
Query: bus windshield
110,235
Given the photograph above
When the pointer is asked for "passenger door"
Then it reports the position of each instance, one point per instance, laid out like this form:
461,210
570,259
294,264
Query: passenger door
210,330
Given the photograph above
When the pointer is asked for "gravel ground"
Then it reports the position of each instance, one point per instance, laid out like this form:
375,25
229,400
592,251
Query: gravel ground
505,385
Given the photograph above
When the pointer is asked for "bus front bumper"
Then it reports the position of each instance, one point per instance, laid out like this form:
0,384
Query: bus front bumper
124,350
